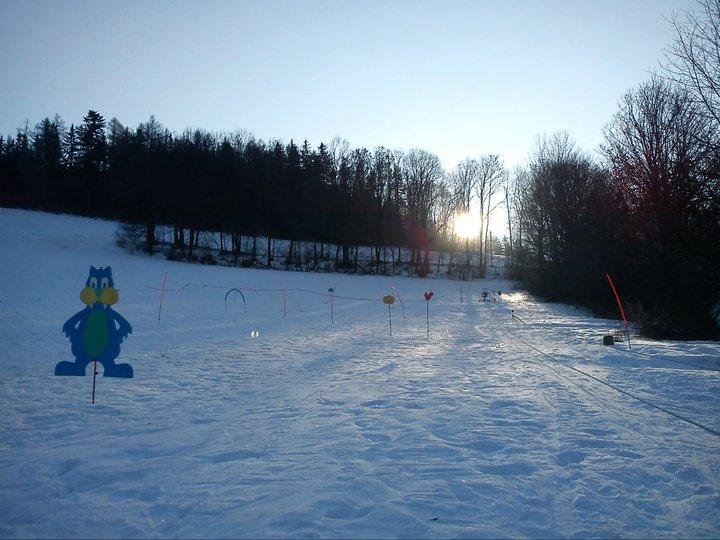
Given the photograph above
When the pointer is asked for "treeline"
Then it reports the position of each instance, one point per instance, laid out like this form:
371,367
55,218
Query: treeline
648,212
650,216
234,184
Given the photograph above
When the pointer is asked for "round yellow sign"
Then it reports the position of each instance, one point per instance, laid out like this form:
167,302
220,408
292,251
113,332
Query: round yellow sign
389,299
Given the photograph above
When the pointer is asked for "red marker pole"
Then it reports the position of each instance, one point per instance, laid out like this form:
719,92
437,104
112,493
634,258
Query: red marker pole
95,372
619,305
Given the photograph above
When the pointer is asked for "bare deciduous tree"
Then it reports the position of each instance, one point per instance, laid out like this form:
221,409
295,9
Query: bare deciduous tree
422,173
693,60
667,175
491,178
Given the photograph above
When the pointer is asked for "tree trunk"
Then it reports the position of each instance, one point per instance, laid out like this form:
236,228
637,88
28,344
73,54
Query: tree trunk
235,241
179,236
289,258
510,237
193,240
149,237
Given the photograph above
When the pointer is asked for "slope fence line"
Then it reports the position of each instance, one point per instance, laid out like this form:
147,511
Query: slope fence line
307,291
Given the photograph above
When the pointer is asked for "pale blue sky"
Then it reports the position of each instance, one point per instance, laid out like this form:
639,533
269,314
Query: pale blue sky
458,79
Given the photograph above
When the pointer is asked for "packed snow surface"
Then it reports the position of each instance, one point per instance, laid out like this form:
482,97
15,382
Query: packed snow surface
320,429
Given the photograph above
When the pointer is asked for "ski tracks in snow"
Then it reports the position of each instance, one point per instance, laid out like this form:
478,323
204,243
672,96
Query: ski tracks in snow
313,429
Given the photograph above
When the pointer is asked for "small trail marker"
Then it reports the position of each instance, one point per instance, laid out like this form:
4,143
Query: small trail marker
389,299
428,297
284,303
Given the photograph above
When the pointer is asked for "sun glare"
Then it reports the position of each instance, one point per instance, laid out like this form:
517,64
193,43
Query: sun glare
466,225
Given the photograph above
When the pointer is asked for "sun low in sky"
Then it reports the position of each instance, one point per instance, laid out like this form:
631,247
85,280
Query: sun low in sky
466,225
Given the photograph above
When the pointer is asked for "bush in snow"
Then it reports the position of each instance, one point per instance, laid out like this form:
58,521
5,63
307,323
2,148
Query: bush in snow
130,236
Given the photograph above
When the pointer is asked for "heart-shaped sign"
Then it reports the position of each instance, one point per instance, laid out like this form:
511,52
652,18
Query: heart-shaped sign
428,295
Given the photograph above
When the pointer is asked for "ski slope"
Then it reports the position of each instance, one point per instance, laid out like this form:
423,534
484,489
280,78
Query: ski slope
320,429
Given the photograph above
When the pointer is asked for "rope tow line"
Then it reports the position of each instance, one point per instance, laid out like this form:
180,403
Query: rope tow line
620,390
595,399
635,352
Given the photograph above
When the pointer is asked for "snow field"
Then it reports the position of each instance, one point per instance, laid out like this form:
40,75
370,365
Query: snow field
314,429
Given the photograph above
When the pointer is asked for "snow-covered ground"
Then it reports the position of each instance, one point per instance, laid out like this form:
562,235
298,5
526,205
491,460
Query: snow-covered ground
313,429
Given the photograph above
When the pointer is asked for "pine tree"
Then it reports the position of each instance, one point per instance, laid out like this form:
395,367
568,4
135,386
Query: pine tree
93,160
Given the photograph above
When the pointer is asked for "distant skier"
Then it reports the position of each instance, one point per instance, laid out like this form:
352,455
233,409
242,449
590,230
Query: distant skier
485,294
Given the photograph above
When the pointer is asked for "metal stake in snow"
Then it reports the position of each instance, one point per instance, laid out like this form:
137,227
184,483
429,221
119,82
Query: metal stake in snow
402,303
95,372
428,296
284,303
162,294
619,305
389,300
331,291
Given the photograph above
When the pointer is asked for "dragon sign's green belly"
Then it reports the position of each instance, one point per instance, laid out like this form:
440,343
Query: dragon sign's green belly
96,334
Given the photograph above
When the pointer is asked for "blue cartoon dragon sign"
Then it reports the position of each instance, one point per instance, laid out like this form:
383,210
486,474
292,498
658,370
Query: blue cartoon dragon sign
96,332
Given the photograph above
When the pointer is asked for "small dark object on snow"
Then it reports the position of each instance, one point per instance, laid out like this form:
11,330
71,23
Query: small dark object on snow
608,340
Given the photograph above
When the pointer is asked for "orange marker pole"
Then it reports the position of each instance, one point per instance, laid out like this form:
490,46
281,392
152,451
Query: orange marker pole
162,295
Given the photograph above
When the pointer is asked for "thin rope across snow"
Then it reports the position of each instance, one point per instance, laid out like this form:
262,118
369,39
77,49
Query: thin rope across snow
618,389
